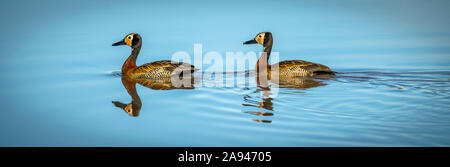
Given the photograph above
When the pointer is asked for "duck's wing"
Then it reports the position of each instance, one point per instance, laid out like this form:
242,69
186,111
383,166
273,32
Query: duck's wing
300,68
164,68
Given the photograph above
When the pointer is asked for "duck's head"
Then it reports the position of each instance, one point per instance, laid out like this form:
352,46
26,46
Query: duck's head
130,108
263,38
133,40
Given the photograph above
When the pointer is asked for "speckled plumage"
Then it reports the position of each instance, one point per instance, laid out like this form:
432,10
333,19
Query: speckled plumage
295,68
161,69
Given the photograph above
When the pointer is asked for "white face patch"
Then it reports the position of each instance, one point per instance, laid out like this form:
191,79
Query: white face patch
129,109
129,39
260,38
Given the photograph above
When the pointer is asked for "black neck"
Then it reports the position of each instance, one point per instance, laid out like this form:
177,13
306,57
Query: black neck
135,52
267,50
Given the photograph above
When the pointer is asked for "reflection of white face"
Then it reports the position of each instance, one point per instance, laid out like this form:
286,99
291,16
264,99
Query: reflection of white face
129,109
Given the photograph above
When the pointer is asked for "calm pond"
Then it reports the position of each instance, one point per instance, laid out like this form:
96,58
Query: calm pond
60,74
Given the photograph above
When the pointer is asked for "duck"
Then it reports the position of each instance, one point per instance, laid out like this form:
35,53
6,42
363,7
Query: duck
134,107
286,69
152,70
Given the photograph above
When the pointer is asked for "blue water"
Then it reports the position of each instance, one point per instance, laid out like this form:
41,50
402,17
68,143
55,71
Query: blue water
60,74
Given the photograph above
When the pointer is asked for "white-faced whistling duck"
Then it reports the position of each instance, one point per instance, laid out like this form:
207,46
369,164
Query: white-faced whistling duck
153,70
290,68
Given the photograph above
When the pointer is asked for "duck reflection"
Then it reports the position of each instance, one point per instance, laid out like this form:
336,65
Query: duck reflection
134,107
264,83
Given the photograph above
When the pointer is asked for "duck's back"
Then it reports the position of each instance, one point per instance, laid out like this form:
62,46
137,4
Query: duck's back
161,69
293,68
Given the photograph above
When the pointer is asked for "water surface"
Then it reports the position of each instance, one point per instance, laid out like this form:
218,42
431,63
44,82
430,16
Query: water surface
60,74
